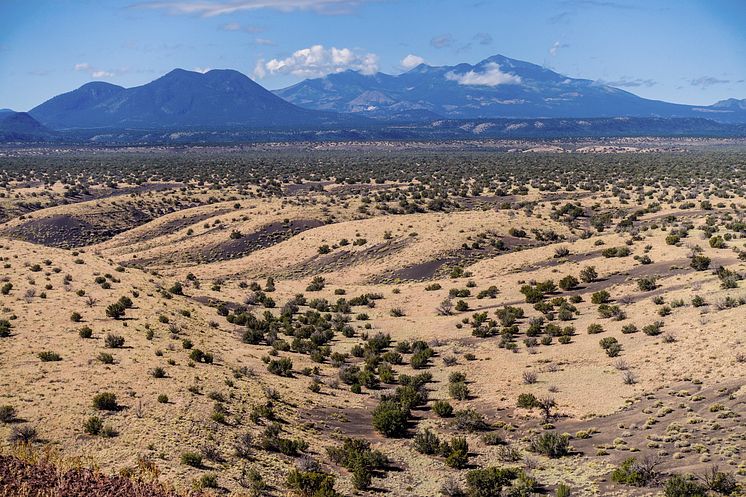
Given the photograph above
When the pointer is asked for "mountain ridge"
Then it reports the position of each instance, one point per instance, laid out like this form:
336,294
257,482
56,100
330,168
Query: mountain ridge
496,87
219,98
21,127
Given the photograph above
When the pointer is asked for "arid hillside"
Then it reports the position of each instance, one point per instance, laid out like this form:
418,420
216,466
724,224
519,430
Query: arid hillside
348,321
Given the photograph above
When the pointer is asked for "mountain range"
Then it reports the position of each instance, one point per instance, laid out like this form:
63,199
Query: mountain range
497,87
494,97
216,99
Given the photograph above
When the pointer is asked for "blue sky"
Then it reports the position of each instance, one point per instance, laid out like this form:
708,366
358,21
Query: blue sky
687,51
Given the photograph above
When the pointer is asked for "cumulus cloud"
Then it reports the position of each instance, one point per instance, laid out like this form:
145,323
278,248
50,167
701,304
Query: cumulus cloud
94,72
442,41
205,8
491,76
317,61
411,61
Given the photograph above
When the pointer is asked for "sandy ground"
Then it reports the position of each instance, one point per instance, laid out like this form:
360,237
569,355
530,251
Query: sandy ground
703,349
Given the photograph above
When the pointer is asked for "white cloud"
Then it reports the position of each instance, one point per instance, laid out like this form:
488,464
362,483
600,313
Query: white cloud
202,70
555,48
318,61
411,61
492,76
206,8
259,71
265,42
95,73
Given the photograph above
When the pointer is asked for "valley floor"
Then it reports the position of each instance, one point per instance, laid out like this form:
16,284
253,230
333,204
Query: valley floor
225,323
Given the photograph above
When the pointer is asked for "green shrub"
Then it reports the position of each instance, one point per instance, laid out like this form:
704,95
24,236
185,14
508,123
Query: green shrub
684,486
588,274
193,459
105,401
635,473
114,341
390,419
456,453
533,295
49,356
105,358
568,283
426,442
563,491
317,284
629,329
196,355
489,482
7,414
4,328
442,408
357,456
469,420
458,390
281,367
93,425
600,297
527,401
492,439
115,310
550,444
22,435
312,483
209,480
717,242
616,252
653,329
720,482
700,262
647,283
595,328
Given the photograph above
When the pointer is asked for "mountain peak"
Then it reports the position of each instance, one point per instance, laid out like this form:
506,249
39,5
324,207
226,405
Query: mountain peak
731,104
219,98
100,84
179,72
496,87
420,69
20,126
